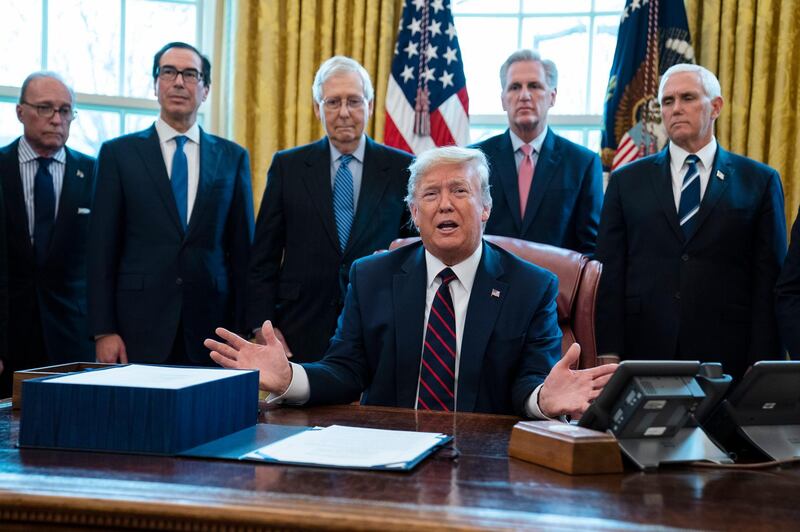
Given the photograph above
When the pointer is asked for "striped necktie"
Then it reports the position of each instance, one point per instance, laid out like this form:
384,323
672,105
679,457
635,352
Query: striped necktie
690,195
343,200
437,377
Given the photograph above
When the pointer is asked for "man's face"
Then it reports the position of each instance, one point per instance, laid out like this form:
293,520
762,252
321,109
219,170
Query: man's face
46,135
527,99
449,212
688,113
178,98
344,125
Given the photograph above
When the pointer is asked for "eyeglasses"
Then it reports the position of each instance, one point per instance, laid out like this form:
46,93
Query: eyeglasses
334,104
45,110
191,76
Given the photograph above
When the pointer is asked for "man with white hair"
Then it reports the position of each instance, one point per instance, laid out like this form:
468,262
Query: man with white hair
692,240
325,205
451,323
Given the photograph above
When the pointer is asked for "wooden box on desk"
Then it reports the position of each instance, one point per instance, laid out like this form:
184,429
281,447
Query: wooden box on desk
566,448
48,371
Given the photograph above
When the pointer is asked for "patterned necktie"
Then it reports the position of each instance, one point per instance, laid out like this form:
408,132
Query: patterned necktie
180,179
437,377
343,200
525,177
690,195
44,209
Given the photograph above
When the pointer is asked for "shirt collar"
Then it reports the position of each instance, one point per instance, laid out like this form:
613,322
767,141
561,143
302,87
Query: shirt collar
358,154
517,142
27,153
677,155
166,132
464,270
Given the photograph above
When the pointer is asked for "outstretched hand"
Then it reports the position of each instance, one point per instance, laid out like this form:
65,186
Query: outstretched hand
568,391
275,373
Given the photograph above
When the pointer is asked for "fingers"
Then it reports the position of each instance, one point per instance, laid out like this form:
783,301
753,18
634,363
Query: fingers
570,358
223,361
123,353
268,332
601,381
236,341
222,349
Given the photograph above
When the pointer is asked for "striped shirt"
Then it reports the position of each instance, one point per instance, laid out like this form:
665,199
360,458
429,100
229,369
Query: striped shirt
28,166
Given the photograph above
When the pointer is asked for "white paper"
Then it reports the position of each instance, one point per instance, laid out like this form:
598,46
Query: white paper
141,376
341,446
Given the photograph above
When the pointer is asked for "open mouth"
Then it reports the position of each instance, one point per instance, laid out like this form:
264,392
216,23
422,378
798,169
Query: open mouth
447,226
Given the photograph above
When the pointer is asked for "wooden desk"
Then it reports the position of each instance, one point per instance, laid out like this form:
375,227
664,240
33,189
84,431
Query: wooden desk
482,489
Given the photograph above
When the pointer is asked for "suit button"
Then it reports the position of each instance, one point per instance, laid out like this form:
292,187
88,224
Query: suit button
685,257
178,281
677,295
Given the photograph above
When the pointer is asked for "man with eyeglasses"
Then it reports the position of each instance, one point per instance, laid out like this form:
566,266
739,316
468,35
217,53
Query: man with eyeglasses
326,204
172,227
48,197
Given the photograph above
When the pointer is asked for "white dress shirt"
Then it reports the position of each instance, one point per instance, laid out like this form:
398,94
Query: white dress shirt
678,167
299,389
166,138
536,144
28,166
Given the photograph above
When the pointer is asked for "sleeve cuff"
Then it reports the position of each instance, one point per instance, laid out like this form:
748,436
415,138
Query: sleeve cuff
299,390
532,409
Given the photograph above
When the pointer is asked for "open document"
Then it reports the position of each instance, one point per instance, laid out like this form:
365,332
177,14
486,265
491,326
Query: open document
352,447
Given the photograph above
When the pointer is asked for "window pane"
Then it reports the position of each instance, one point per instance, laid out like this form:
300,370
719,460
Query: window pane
138,122
564,40
92,128
83,44
561,6
609,5
575,135
485,6
10,128
593,143
483,57
605,42
149,26
478,133
20,40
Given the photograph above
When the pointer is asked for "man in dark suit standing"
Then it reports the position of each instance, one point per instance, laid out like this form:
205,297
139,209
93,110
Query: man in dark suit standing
451,323
48,197
325,205
545,188
691,240
172,227
788,295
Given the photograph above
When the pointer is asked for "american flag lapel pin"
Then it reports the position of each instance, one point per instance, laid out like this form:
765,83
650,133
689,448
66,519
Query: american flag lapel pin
720,175
80,174
495,292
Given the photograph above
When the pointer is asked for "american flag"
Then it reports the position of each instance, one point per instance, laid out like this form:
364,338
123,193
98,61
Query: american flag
426,101
653,36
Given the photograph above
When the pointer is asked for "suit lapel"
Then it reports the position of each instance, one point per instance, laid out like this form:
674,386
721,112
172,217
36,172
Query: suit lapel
71,187
149,151
482,311
505,168
545,170
716,186
373,186
317,179
15,201
209,162
661,180
408,298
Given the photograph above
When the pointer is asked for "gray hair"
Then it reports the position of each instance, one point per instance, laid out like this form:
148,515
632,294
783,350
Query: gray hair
337,65
45,74
446,155
708,80
550,70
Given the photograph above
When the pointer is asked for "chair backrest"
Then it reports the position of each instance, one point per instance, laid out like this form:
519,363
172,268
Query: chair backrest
578,279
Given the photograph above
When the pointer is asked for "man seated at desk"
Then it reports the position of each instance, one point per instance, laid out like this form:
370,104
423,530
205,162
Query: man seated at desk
489,318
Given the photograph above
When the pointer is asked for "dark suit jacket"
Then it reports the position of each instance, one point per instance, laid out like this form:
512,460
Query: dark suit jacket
708,297
49,301
788,295
146,276
564,204
510,342
298,275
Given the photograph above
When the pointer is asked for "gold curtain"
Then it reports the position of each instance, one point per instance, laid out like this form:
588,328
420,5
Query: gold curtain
752,46
269,51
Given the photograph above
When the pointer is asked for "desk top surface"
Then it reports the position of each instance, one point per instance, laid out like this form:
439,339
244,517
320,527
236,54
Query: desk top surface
482,488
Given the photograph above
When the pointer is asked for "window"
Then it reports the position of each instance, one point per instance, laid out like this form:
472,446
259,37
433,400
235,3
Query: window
103,48
579,35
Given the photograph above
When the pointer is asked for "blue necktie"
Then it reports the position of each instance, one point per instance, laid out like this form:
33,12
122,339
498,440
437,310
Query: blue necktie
180,179
343,200
44,209
690,195
437,377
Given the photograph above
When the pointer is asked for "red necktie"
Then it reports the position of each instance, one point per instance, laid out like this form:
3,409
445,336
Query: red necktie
525,177
437,377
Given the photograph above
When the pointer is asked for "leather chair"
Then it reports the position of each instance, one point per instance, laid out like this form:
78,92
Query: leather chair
578,279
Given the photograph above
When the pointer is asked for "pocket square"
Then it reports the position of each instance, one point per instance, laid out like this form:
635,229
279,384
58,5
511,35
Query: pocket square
84,210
